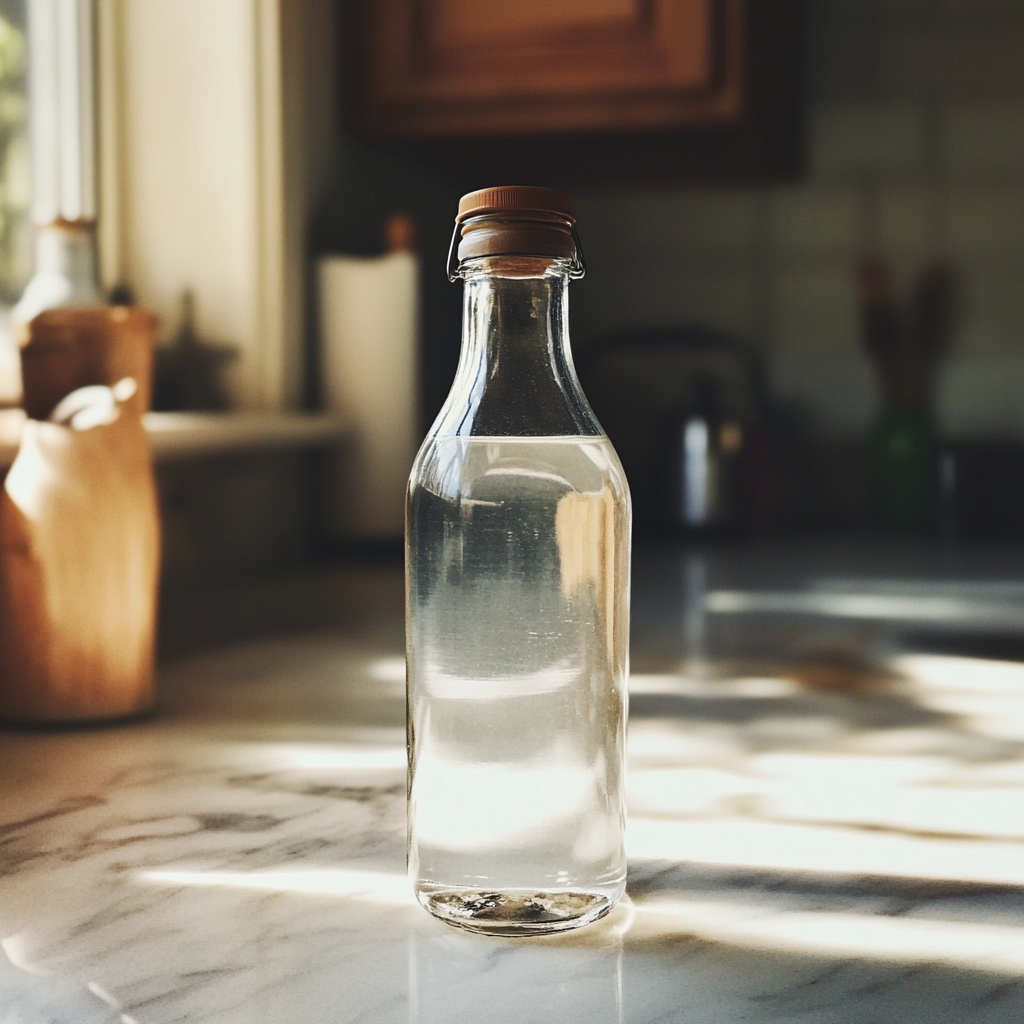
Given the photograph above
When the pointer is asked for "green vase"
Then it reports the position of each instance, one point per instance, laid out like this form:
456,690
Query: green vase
903,473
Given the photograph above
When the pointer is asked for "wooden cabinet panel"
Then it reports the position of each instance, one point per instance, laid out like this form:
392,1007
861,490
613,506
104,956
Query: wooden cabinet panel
451,68
469,22
576,91
561,48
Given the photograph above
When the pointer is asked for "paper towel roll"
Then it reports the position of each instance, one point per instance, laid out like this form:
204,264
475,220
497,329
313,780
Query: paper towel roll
369,310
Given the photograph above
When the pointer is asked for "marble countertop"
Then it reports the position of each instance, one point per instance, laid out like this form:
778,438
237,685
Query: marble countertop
834,837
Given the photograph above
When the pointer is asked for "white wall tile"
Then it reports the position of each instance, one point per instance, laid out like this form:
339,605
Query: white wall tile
816,310
953,60
986,224
979,10
862,137
644,222
840,43
905,223
837,391
815,220
990,310
983,137
661,294
981,396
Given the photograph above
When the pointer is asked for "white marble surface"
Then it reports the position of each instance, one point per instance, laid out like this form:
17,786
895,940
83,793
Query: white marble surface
811,850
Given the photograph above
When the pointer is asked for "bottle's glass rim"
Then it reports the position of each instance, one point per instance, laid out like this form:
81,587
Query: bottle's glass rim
575,264
518,266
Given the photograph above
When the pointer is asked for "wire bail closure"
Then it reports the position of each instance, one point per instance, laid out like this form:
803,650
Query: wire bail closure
577,268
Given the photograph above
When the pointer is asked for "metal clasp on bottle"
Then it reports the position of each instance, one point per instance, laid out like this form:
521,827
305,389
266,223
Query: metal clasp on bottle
577,268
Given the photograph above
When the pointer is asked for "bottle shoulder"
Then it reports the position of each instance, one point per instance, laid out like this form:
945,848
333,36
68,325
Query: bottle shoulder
496,407
476,467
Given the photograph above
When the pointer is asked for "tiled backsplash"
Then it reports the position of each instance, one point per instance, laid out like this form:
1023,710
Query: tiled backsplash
915,152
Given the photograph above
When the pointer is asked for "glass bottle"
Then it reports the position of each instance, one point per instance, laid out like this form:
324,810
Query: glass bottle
517,588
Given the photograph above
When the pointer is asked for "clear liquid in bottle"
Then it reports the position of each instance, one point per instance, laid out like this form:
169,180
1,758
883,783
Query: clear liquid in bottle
517,665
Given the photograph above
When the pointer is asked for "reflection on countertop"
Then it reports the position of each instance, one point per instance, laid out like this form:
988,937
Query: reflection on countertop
827,814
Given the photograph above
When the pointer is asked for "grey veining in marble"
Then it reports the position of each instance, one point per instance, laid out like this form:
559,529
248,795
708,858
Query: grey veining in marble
800,850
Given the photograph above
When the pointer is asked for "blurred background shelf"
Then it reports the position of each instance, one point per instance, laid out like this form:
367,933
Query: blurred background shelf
183,435
177,435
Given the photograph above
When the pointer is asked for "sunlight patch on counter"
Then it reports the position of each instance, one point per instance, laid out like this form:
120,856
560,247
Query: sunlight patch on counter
372,886
780,846
13,947
913,796
904,608
902,939
750,688
313,756
958,674
691,791
987,695
388,670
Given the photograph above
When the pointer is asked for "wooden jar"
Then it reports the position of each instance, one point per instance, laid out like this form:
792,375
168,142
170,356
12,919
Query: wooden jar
79,524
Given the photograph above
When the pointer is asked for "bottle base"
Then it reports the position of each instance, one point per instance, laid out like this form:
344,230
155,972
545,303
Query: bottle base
514,912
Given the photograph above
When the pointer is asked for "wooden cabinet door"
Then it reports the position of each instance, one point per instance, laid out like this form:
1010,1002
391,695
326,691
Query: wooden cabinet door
434,69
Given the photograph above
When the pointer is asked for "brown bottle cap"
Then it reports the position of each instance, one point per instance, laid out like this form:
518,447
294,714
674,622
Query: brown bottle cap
516,220
513,199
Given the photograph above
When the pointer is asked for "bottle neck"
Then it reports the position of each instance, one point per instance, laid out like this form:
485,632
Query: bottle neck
516,376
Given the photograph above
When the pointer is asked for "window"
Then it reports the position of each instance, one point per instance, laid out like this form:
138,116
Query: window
15,181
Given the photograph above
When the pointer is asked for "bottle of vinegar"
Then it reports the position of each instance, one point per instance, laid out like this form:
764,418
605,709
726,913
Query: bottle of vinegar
517,558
